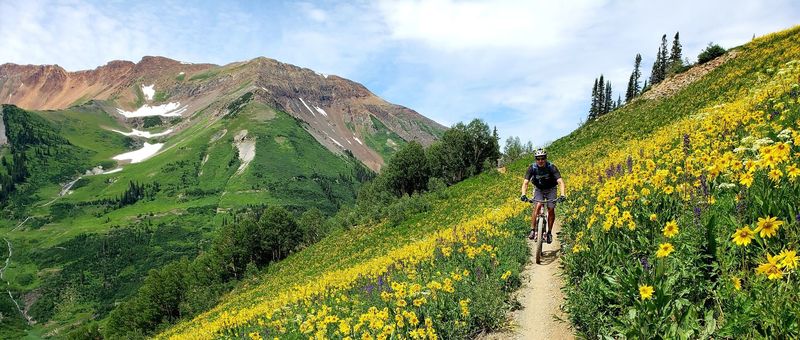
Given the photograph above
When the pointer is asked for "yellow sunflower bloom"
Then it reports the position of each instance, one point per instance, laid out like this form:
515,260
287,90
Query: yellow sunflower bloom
775,175
746,179
646,292
770,268
671,229
664,249
768,227
743,236
792,171
788,259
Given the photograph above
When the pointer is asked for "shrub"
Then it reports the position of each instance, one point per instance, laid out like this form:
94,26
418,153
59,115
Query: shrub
709,53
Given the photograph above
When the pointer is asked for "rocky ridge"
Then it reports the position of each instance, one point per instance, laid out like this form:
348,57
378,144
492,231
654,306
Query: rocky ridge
338,112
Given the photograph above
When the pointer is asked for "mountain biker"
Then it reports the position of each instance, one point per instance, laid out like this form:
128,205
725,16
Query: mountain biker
545,176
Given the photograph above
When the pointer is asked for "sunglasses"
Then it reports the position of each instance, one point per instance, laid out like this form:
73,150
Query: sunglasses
541,158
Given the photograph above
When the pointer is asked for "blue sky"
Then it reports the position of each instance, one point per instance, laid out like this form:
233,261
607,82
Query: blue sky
526,67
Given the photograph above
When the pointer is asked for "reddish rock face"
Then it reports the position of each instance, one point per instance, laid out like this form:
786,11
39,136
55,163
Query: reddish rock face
337,112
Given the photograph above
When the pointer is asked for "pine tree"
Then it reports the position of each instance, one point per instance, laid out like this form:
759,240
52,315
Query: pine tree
637,74
601,96
593,108
675,56
633,82
664,59
629,90
655,72
619,102
609,101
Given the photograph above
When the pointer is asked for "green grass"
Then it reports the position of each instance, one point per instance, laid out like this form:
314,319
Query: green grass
89,127
383,140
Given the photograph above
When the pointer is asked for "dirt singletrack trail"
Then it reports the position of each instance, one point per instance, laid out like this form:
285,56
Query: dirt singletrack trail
540,297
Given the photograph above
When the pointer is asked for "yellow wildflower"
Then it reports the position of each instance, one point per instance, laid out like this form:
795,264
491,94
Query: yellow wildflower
671,229
746,179
646,292
792,171
775,175
768,227
788,259
464,307
505,275
653,217
664,249
770,268
737,283
743,236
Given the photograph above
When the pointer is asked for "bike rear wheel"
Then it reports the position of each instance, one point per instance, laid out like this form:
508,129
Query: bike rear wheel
539,236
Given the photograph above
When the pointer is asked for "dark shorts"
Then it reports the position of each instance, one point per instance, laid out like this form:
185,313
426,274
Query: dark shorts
550,194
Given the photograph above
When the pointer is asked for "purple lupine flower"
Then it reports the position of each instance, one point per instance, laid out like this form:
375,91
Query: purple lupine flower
773,114
797,218
697,212
369,288
619,169
645,264
380,282
704,184
629,163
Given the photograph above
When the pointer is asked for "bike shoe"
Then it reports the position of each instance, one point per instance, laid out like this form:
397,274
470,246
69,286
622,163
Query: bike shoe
549,238
532,235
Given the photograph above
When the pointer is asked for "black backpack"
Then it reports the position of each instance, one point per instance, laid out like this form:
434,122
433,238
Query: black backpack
543,178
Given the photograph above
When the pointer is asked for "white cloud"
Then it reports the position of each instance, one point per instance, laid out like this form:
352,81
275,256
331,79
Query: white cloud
453,25
516,64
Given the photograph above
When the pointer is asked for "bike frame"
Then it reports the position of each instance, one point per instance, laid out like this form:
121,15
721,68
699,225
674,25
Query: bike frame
539,223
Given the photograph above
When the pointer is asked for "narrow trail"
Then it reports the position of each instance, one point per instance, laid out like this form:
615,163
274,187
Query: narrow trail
541,299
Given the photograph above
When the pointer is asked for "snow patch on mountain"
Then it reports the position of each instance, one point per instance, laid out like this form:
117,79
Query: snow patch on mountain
144,134
149,91
165,110
320,110
137,156
306,105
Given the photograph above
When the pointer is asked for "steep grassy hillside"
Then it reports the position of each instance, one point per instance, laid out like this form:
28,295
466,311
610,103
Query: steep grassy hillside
76,255
629,174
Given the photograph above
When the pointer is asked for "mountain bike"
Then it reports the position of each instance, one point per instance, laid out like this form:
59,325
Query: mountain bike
540,224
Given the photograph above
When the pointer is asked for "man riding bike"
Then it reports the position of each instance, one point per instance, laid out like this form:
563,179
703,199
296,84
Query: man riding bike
545,176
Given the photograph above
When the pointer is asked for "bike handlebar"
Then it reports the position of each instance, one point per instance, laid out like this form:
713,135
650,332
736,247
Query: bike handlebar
557,200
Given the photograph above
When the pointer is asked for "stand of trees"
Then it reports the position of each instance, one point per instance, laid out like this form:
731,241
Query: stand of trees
185,288
667,62
463,151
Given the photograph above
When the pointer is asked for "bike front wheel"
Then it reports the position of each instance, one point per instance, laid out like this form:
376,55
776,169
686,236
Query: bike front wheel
539,236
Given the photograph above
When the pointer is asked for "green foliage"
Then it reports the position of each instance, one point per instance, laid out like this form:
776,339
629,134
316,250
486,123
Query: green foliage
185,288
313,226
105,268
237,105
407,171
160,96
38,156
710,53
148,122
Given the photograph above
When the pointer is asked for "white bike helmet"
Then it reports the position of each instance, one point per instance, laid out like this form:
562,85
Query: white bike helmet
540,153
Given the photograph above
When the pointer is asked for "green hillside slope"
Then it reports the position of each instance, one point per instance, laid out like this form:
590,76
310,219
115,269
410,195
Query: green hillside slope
689,158
75,256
